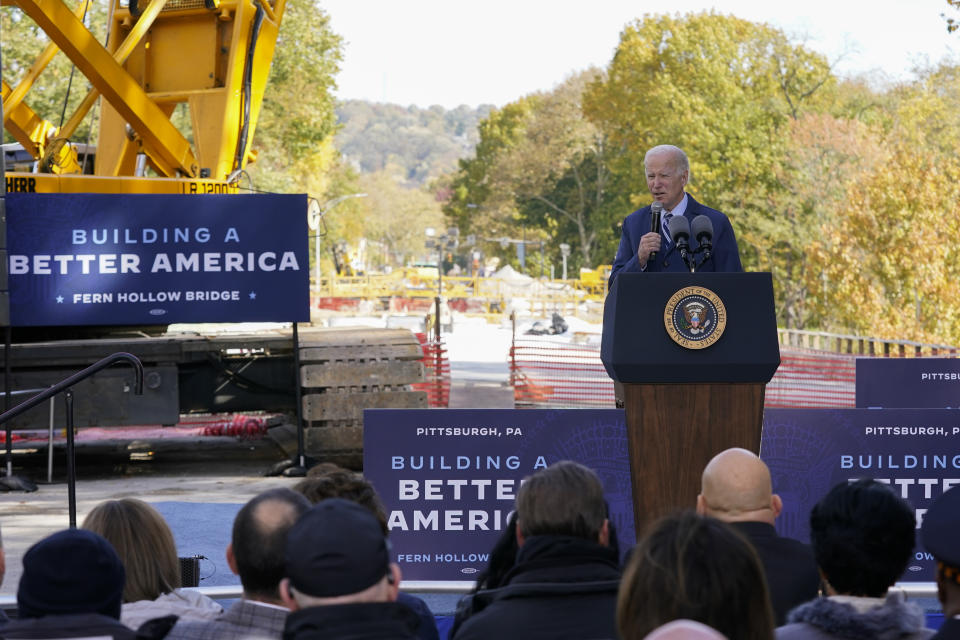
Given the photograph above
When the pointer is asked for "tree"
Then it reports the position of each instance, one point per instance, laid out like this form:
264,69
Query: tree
395,218
473,205
719,87
952,23
60,87
426,143
556,174
827,156
541,172
893,270
725,90
294,134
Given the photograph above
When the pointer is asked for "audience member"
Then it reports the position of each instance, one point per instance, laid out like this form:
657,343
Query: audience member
256,553
71,586
339,580
736,489
503,557
338,482
940,526
327,480
697,568
325,468
684,630
144,542
564,583
863,536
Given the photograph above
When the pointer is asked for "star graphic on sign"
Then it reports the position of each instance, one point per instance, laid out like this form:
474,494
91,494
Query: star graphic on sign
253,295
59,299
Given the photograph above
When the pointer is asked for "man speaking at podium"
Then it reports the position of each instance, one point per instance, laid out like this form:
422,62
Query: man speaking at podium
684,241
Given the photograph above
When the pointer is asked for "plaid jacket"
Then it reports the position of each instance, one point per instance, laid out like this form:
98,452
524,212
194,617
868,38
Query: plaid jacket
244,620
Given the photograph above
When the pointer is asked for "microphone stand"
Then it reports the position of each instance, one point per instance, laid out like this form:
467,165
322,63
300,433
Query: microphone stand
688,259
706,251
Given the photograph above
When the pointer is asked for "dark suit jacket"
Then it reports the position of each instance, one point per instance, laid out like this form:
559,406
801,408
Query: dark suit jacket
949,630
791,571
726,256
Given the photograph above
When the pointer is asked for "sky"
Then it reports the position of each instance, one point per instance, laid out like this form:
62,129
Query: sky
453,52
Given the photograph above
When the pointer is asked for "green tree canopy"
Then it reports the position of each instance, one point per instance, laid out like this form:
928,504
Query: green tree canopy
60,88
725,90
541,170
294,134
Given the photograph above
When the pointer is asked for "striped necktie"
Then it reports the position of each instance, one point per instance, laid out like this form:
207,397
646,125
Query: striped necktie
666,226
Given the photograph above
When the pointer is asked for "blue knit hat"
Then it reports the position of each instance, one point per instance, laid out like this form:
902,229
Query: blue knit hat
72,571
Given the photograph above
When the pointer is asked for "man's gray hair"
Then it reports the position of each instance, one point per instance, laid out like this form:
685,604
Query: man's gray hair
679,157
565,499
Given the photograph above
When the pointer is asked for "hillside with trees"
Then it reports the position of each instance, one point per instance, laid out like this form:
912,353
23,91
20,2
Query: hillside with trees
415,144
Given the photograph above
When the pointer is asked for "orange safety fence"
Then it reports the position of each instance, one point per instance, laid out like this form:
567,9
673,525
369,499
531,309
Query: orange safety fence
813,379
554,374
544,373
436,372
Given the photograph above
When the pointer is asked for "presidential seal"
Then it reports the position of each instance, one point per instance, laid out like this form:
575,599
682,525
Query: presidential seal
695,317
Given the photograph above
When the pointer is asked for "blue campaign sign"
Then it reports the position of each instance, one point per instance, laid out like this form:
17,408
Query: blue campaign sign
98,259
809,451
908,383
448,479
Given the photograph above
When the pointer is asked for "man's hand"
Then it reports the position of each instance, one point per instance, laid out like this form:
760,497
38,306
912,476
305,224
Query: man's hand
649,242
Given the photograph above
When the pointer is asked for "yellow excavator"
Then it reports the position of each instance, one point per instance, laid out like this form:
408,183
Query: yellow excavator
214,57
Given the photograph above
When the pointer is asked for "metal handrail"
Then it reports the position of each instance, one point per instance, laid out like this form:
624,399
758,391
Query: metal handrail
66,385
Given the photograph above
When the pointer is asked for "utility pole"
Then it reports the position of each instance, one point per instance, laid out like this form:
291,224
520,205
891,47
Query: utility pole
315,213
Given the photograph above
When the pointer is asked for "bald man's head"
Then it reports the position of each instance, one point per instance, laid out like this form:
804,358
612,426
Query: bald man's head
736,487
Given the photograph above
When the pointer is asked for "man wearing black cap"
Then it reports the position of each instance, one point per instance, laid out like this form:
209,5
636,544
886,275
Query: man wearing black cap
339,580
939,535
71,586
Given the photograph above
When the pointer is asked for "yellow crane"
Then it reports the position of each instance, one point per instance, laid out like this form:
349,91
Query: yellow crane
212,55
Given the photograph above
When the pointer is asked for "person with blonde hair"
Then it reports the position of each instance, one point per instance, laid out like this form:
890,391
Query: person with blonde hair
144,542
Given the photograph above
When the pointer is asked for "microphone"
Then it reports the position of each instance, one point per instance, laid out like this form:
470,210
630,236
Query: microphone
702,230
655,210
680,233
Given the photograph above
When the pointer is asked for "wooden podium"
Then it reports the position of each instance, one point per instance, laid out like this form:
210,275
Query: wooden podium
686,402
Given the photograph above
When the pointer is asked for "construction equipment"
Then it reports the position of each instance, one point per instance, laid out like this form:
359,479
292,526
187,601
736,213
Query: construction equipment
213,56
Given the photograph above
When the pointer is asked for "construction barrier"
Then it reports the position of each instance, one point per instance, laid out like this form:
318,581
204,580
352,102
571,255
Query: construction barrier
436,372
550,374
812,380
547,373
407,291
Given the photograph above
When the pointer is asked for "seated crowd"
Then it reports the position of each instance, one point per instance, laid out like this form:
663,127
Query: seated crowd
315,562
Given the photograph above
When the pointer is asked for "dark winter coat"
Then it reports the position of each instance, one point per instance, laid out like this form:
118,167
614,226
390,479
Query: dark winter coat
362,621
561,587
791,571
